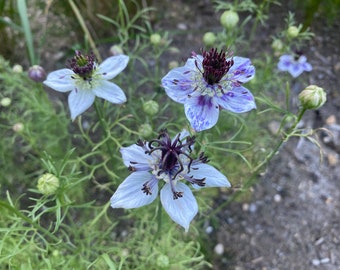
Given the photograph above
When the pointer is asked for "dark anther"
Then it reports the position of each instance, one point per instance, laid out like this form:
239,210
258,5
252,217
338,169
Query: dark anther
177,195
83,65
146,189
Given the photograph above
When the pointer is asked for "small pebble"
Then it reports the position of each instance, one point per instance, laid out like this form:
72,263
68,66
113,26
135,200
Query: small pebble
219,249
209,229
277,198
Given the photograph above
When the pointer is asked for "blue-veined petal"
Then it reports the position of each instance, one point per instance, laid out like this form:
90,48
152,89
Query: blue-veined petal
136,154
79,101
178,83
202,112
60,80
238,100
242,70
129,193
110,91
213,178
181,210
113,65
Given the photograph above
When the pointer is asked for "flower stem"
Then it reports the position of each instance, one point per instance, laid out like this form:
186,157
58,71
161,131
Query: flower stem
105,127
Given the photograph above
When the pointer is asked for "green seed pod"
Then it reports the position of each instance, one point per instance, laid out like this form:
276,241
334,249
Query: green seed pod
209,39
229,19
145,130
312,97
5,102
163,261
48,184
293,31
155,39
150,107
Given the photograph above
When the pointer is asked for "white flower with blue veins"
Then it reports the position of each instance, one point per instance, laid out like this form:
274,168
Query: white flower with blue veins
208,83
168,162
86,80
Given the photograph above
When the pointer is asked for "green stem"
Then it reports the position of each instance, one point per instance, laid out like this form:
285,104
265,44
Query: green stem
35,225
105,127
86,31
253,177
159,220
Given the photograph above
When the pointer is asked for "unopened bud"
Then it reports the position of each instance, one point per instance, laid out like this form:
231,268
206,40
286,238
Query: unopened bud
48,184
17,68
162,261
37,73
229,19
150,107
18,127
116,50
155,39
209,39
145,130
5,102
312,97
293,31
277,45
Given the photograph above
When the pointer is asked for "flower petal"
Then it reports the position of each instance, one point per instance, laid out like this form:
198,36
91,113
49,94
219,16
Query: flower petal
79,101
242,70
60,80
202,112
213,178
178,83
181,210
110,91
285,62
136,155
113,65
129,193
237,100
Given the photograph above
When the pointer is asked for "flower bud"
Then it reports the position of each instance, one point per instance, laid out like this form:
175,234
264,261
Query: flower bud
145,130
5,102
155,39
37,73
162,261
173,64
48,184
209,39
293,31
229,19
312,97
150,107
277,45
116,50
17,68
18,127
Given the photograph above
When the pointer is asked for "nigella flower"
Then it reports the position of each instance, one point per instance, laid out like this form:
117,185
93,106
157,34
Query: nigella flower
86,80
294,64
166,161
208,83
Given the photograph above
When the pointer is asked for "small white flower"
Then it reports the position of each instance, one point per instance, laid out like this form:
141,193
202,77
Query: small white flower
86,80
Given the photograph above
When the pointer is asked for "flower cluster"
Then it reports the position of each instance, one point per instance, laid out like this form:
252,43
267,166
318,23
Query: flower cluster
86,80
208,83
167,161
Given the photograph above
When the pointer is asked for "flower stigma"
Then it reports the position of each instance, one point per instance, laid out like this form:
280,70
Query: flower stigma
171,161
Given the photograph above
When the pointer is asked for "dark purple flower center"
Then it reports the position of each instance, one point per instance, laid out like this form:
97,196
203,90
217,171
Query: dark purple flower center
171,151
83,65
215,65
